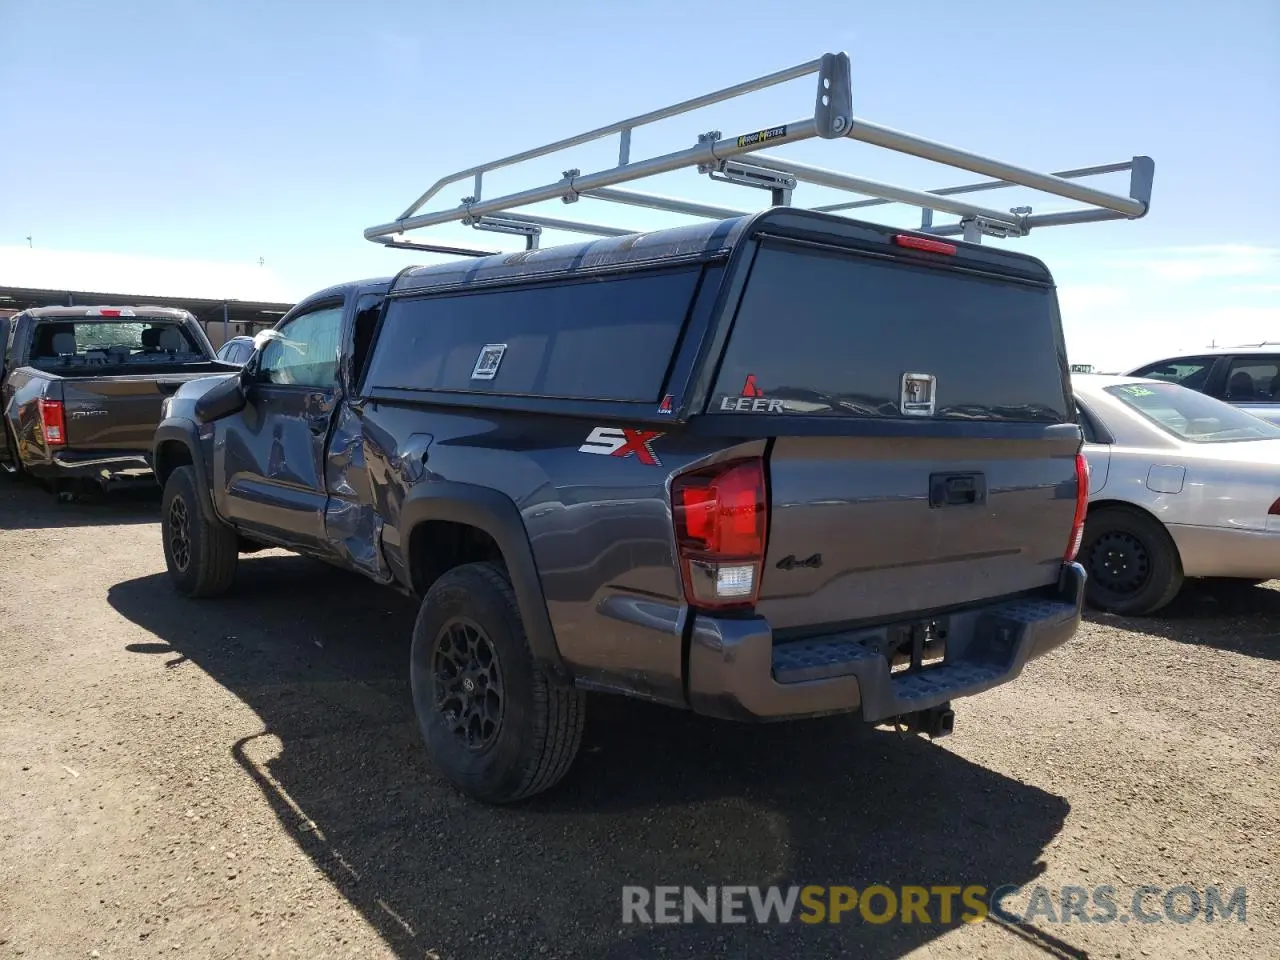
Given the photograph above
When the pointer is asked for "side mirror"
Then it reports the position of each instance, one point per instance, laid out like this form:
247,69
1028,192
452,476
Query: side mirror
222,400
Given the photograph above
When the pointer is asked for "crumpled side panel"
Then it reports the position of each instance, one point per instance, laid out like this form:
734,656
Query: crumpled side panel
352,523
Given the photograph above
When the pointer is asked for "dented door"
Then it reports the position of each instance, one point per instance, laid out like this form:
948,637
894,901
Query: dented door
271,457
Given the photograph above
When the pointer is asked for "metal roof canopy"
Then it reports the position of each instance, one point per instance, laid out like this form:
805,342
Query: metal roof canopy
714,156
209,312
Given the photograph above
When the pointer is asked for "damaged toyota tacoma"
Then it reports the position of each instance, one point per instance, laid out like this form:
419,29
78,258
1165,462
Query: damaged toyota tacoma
778,466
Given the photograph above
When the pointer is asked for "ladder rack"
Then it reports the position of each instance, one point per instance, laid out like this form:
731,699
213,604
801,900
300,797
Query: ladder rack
742,161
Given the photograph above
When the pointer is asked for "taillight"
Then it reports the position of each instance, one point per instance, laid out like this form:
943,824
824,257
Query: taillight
1275,510
721,517
1082,507
52,422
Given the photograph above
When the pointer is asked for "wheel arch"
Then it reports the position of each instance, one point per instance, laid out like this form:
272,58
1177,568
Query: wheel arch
177,444
496,518
1103,504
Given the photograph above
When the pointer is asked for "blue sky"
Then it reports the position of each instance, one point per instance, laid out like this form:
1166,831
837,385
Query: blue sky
223,132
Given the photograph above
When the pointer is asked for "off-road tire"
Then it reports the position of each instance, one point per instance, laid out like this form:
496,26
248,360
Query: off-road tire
1133,564
206,565
534,742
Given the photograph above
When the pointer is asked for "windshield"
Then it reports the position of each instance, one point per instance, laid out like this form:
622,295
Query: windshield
1192,416
99,342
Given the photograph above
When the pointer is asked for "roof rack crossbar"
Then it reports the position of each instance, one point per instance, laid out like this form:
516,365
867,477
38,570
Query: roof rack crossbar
883,191
1028,223
622,127
982,185
668,204
451,250
713,155
707,153
877,135
569,226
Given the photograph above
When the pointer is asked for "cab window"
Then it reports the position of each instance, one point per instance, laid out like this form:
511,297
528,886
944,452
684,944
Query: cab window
303,352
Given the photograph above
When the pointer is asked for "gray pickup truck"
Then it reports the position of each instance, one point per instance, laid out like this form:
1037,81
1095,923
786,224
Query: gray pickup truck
80,389
777,466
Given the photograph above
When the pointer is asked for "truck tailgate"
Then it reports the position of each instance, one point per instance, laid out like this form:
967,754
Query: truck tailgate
923,453
117,413
863,528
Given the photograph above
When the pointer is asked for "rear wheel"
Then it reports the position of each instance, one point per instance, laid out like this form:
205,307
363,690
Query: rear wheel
494,725
1132,562
199,550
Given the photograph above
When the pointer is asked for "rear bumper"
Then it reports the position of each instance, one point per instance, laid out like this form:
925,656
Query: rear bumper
1227,552
737,672
102,466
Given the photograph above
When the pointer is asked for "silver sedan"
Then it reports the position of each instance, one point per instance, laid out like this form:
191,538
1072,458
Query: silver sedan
1180,485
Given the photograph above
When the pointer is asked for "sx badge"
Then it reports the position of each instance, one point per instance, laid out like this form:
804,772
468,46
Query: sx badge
623,442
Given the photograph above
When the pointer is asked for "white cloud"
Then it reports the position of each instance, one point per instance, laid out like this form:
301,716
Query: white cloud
1193,264
1081,297
127,274
1122,308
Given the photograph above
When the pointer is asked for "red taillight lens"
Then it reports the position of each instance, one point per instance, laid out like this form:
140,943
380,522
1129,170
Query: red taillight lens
925,244
52,422
1275,510
721,518
1082,507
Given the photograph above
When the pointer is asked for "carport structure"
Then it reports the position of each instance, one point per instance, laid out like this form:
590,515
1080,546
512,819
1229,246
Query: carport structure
221,319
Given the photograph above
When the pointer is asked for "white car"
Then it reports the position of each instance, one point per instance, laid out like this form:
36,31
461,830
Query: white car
1180,485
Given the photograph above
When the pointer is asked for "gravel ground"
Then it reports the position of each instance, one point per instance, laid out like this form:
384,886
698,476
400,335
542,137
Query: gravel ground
242,778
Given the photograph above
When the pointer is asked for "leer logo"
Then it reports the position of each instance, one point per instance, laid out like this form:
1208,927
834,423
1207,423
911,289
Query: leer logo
752,400
623,442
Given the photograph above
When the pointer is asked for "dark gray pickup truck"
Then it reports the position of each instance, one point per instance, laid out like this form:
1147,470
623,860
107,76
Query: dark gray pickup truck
80,388
778,466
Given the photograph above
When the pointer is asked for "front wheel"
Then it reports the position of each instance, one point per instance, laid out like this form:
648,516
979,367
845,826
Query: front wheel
1133,564
494,726
199,550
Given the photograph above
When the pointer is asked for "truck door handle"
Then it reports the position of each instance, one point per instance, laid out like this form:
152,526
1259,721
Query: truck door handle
957,489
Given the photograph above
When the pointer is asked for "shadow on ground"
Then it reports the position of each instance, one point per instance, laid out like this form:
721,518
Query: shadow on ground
25,505
657,796
1215,613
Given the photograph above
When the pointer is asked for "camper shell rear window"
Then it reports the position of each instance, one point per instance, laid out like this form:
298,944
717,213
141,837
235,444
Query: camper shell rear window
828,332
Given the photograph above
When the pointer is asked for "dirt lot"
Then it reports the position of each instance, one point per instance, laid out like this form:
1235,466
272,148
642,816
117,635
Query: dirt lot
242,778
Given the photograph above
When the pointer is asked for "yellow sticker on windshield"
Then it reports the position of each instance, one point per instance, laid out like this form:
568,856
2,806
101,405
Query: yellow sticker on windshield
1139,391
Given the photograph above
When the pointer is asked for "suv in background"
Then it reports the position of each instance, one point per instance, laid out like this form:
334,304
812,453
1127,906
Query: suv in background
1246,377
237,350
